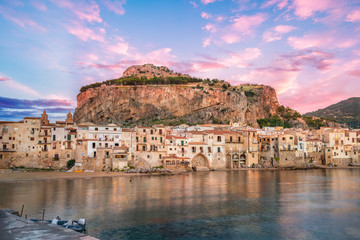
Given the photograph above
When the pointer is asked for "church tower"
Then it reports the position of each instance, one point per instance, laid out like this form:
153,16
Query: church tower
69,119
44,118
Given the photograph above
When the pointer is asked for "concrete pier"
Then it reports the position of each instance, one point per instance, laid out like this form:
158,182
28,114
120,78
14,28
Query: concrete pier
15,227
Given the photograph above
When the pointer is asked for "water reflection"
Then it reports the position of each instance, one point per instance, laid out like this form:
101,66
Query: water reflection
318,204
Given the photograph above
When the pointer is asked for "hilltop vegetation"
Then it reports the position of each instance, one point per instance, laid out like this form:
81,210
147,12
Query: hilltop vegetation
283,118
347,111
134,80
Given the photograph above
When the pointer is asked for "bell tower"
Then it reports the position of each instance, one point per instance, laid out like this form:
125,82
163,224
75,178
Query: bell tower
44,118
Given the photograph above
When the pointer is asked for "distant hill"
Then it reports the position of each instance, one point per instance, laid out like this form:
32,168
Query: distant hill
347,111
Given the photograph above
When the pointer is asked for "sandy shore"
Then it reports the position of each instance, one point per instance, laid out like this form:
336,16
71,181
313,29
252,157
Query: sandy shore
14,176
7,175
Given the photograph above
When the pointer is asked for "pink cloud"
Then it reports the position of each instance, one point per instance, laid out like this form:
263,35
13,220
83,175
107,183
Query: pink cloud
39,5
193,4
220,18
354,16
206,42
83,10
279,4
355,73
209,27
9,84
208,1
307,8
246,24
84,33
318,59
241,59
2,78
276,32
205,15
121,47
239,28
115,6
281,79
201,66
20,19
321,40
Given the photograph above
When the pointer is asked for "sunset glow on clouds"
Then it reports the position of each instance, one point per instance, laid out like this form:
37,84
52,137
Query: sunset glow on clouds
307,50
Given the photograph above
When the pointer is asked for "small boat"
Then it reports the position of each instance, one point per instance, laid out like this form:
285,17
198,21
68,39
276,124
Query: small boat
78,225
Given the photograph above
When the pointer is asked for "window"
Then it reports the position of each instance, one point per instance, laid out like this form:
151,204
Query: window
219,150
193,149
144,130
148,156
209,149
32,139
161,139
219,138
239,139
107,155
160,131
144,148
182,142
137,139
68,155
54,137
201,149
144,139
160,156
96,129
230,139
1,156
13,146
151,131
93,145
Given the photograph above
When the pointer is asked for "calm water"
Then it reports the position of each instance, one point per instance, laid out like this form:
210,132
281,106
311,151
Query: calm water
317,204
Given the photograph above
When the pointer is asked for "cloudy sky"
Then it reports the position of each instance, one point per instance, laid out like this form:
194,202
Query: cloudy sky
308,50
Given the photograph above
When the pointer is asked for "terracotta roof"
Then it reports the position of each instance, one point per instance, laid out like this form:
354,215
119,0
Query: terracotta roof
197,143
127,130
220,132
176,137
1,122
32,118
196,132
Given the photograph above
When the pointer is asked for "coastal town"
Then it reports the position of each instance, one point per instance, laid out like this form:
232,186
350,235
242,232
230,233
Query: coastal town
34,142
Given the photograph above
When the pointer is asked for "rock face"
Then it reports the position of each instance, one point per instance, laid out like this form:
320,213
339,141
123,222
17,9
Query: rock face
199,102
150,70
174,104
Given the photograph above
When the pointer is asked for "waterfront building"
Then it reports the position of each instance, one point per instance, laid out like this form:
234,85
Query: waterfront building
35,142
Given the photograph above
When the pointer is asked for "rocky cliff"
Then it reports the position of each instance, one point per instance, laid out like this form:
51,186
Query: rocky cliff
200,102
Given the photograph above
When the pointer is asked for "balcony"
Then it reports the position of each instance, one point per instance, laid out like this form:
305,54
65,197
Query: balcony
7,150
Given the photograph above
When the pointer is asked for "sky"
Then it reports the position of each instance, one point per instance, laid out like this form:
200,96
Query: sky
308,50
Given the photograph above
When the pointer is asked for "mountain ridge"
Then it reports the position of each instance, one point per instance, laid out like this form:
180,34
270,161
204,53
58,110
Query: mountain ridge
346,111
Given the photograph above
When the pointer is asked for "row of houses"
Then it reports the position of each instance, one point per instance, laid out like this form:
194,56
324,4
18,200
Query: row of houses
35,142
